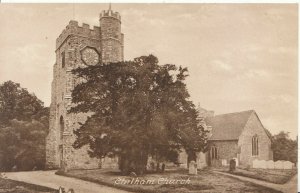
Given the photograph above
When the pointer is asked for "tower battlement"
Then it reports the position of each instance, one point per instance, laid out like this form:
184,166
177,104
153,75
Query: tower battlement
74,29
110,13
78,46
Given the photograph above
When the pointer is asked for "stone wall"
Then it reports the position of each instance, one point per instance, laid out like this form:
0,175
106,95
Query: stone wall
254,127
111,37
226,150
52,142
72,40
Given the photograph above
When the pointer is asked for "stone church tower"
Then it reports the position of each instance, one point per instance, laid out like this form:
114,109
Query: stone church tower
78,46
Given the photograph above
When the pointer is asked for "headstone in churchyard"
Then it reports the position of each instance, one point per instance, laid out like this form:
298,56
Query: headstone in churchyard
61,190
193,168
263,164
224,162
64,167
279,165
157,167
201,160
152,166
232,165
236,161
71,191
163,167
14,168
255,163
287,165
270,164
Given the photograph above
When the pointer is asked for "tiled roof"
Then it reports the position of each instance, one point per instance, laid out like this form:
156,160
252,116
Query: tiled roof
228,126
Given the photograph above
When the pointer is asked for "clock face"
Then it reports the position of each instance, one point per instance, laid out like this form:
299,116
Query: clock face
90,56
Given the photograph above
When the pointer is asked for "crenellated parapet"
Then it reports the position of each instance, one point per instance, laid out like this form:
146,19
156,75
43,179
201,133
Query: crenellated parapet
111,14
108,40
74,29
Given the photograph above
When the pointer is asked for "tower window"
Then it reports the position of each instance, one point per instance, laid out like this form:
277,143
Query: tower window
254,145
63,58
62,126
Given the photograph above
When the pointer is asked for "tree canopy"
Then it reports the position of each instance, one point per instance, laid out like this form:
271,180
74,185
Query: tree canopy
23,127
137,109
284,148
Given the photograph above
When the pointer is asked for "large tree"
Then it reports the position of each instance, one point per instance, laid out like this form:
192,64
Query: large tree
17,103
284,148
137,109
23,128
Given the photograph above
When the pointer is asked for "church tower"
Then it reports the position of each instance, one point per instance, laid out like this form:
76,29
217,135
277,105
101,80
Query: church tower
78,46
111,36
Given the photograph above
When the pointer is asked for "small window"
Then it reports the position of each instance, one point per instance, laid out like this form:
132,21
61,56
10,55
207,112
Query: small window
255,145
214,152
63,59
62,126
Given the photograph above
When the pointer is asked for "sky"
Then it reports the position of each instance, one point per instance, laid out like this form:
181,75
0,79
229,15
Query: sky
239,56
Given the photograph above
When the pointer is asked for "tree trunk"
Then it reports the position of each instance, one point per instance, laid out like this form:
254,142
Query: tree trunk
191,157
133,162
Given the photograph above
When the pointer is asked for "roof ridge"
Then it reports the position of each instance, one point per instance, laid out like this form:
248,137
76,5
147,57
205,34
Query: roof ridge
233,123
235,113
248,118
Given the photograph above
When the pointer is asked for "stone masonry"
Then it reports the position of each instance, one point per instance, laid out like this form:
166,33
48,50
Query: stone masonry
254,127
241,147
107,41
226,150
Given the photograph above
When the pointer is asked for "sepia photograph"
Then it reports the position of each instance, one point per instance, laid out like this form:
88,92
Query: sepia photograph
148,97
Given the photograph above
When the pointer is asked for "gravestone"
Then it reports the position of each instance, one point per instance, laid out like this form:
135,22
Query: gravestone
236,161
279,165
63,167
287,165
132,174
224,162
163,167
201,160
193,168
14,168
152,166
61,190
71,191
270,164
255,163
263,164
157,167
232,165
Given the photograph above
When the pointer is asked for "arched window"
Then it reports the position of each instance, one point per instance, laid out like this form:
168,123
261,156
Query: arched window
61,126
63,59
214,152
255,145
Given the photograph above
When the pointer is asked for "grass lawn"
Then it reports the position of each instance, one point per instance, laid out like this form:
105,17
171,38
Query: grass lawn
10,186
268,175
206,181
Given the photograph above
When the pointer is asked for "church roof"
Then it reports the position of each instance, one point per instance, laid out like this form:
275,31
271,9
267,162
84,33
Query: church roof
228,126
